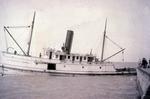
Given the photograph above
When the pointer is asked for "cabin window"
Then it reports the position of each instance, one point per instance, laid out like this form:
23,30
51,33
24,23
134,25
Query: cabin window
62,57
68,57
73,58
84,58
56,56
80,58
77,57
51,66
50,55
90,59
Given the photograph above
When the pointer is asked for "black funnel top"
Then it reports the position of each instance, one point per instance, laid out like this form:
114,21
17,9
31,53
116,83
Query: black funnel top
68,43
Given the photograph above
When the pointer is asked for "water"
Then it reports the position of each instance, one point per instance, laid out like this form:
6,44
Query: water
45,86
125,64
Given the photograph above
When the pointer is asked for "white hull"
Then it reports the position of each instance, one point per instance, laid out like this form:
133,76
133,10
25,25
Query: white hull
44,65
57,61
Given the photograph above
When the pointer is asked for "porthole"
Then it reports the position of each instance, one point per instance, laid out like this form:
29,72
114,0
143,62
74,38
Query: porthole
100,67
82,66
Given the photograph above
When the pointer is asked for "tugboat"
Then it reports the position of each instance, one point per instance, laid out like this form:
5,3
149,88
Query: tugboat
56,61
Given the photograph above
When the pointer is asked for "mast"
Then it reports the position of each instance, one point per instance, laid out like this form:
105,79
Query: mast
29,43
104,36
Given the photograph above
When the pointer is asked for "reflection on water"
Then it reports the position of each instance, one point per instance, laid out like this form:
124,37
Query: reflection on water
45,86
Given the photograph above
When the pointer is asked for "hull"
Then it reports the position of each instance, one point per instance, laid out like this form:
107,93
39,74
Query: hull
44,65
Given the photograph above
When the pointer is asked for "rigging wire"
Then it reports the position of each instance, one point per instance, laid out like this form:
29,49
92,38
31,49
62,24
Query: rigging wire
5,39
18,26
78,25
122,56
114,42
117,46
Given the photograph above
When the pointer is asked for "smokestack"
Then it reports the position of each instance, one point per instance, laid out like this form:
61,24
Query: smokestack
68,43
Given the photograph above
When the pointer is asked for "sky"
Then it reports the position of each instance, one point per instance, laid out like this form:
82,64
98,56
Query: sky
127,24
